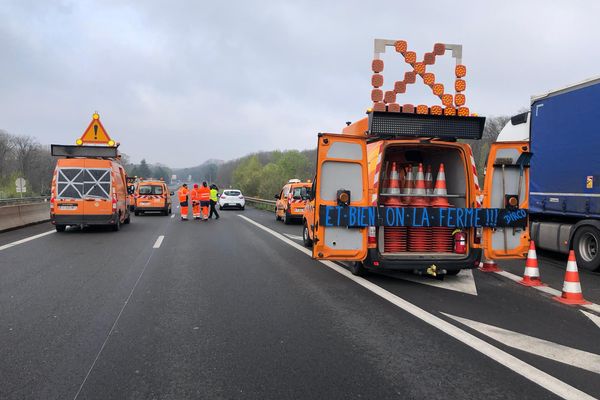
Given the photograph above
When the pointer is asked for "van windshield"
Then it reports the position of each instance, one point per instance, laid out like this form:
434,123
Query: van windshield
232,192
300,192
151,189
81,183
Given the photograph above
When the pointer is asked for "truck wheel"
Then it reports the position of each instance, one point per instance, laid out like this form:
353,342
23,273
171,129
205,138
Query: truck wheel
306,237
586,244
128,219
117,224
277,217
287,219
60,228
357,268
136,213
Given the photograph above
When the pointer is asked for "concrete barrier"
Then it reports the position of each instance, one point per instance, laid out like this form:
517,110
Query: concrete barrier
16,216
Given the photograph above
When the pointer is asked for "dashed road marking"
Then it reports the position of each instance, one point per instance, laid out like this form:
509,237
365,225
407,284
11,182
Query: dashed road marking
511,362
25,240
543,348
158,242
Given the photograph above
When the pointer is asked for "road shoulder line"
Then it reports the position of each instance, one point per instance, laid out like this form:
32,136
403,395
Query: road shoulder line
25,240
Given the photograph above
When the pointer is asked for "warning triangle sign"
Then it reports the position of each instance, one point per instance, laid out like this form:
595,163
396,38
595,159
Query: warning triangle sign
95,133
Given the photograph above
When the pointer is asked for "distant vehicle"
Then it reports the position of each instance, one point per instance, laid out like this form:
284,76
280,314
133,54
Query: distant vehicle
232,198
291,201
89,184
152,196
564,186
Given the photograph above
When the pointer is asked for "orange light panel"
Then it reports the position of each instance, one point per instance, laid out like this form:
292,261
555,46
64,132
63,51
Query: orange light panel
463,111
429,78
439,49
449,111
410,77
410,57
436,110
408,108
400,46
460,71
447,100
429,58
377,80
420,68
378,107
393,107
460,99
377,66
438,89
399,87
460,85
389,97
422,109
376,95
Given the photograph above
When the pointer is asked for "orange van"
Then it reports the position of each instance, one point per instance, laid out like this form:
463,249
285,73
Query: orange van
152,196
88,191
291,201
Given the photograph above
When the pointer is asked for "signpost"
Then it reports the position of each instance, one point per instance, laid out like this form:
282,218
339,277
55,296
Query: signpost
21,188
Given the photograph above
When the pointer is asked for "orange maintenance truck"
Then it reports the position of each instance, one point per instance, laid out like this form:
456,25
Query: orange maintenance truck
398,191
89,184
291,201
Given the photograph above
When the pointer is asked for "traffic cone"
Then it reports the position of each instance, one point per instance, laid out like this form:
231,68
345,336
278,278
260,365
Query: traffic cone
429,180
489,266
439,191
531,276
408,184
393,190
571,293
420,199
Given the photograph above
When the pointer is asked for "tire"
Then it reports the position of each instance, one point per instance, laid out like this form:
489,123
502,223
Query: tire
165,212
220,207
586,243
60,228
170,211
242,208
117,226
305,236
277,217
128,219
136,213
357,268
287,219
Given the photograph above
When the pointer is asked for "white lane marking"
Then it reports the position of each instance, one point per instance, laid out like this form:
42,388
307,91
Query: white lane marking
535,375
172,215
546,289
295,237
463,282
595,319
553,351
158,242
27,239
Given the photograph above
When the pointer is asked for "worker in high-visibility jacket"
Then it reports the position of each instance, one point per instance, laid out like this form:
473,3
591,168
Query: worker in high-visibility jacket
214,193
204,192
195,197
182,193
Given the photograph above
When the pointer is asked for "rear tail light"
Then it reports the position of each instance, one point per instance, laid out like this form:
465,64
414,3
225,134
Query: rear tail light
478,235
114,201
52,200
372,235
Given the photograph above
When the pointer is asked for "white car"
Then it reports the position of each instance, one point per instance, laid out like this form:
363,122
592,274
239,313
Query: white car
232,198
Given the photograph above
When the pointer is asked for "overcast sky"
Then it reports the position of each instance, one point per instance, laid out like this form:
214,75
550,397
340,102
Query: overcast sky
179,82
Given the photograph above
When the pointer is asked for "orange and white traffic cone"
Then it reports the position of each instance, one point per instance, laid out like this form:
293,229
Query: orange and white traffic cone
408,184
419,190
429,180
439,191
571,293
489,266
392,191
531,276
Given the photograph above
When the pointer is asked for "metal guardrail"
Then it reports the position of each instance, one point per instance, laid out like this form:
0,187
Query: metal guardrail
23,200
260,201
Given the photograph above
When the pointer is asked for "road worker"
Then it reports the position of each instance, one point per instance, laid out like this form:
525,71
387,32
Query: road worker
204,194
183,201
195,196
214,193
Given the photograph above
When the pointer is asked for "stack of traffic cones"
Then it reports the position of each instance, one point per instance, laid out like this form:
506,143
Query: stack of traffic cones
394,237
489,266
531,276
429,180
419,191
419,238
571,293
408,184
393,188
443,241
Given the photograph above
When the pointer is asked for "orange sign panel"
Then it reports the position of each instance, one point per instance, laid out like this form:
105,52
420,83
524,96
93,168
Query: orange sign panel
95,133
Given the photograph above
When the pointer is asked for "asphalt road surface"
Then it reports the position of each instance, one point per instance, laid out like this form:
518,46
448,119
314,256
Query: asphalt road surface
235,309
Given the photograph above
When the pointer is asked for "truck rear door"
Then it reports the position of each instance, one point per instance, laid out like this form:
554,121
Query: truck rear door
97,189
506,186
341,168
